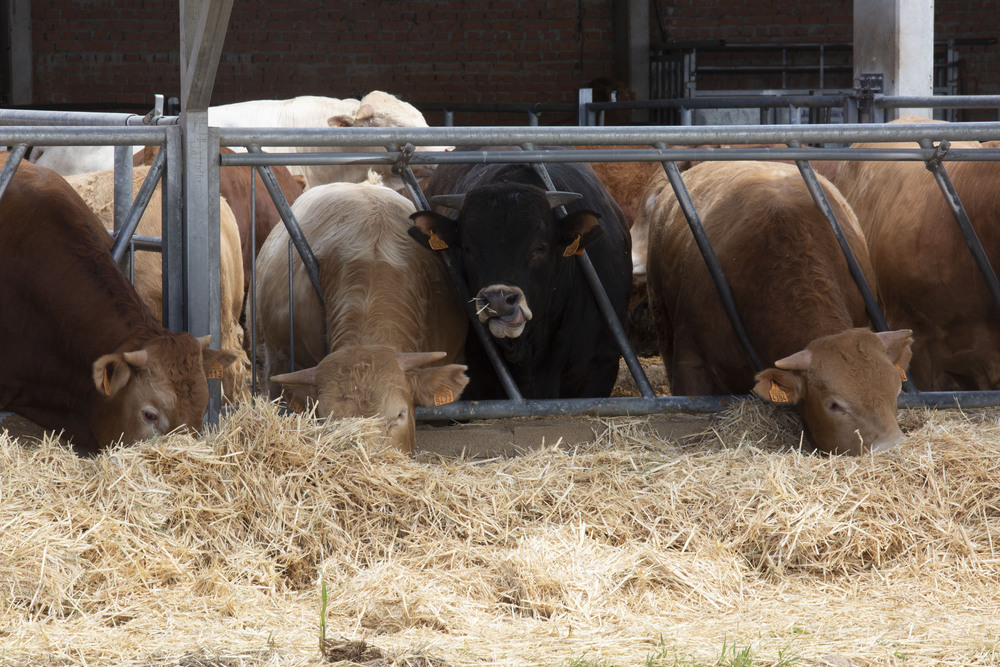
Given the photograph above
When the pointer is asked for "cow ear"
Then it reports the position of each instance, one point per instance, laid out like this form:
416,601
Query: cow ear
341,120
215,360
298,387
438,385
779,387
578,230
111,373
897,346
433,230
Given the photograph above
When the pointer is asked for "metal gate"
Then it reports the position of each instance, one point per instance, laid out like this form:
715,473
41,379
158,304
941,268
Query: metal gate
179,268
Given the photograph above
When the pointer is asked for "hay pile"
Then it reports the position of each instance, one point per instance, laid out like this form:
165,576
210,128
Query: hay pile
631,551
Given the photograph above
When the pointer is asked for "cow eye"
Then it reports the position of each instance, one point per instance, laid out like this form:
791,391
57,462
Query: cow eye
151,416
540,250
835,407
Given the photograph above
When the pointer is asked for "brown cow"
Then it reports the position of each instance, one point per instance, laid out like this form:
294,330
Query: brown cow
927,278
389,310
79,352
800,307
97,190
234,187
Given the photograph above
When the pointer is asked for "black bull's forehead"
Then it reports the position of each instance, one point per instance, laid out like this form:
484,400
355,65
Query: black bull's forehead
507,219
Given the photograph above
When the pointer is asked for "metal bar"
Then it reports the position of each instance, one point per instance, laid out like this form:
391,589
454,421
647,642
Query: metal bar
635,407
82,118
291,307
123,201
597,407
172,231
251,313
604,304
823,204
458,280
295,234
613,155
202,256
712,261
131,222
607,135
10,166
936,167
938,101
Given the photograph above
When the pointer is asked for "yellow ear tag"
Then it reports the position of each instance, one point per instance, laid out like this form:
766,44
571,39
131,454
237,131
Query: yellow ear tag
778,394
444,396
213,371
436,242
107,383
573,248
295,404
902,372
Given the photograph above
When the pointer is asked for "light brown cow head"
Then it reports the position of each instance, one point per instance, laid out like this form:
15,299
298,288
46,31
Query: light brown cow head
376,380
155,389
845,387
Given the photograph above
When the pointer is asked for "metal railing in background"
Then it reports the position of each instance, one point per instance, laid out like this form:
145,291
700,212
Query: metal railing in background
400,142
395,138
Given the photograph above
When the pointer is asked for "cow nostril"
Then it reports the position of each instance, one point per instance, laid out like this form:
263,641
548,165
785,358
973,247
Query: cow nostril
512,298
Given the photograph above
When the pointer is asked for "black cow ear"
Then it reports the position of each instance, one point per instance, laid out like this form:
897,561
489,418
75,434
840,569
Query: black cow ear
433,230
578,230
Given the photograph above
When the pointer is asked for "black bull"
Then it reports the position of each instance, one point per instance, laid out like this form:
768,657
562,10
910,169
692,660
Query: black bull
517,257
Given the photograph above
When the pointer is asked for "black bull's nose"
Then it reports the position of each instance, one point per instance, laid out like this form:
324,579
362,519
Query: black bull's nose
499,302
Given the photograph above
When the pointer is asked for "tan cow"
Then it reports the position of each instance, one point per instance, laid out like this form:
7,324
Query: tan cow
927,278
801,309
389,311
234,187
97,190
79,351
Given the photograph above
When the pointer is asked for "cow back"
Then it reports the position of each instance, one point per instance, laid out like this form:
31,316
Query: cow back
928,280
379,287
97,190
66,305
788,276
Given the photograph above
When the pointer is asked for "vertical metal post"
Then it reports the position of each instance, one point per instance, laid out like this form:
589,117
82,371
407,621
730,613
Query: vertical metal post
202,279
172,231
123,197
585,117
251,299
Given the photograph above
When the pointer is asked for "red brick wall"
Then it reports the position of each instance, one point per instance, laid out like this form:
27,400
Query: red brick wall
421,50
115,53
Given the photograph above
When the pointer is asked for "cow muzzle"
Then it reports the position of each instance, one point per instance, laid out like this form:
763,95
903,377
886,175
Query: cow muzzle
504,308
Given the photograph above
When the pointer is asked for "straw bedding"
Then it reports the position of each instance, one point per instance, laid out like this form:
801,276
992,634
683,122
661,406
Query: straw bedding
628,551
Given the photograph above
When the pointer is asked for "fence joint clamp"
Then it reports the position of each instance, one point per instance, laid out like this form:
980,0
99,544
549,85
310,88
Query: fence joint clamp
934,163
403,161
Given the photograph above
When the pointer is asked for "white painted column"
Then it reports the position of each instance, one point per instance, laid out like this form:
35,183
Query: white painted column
895,38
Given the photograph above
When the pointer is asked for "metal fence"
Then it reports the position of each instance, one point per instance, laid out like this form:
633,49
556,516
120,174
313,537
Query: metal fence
180,271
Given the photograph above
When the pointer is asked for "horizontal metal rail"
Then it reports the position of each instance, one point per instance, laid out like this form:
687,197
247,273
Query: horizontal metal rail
638,406
608,136
619,155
